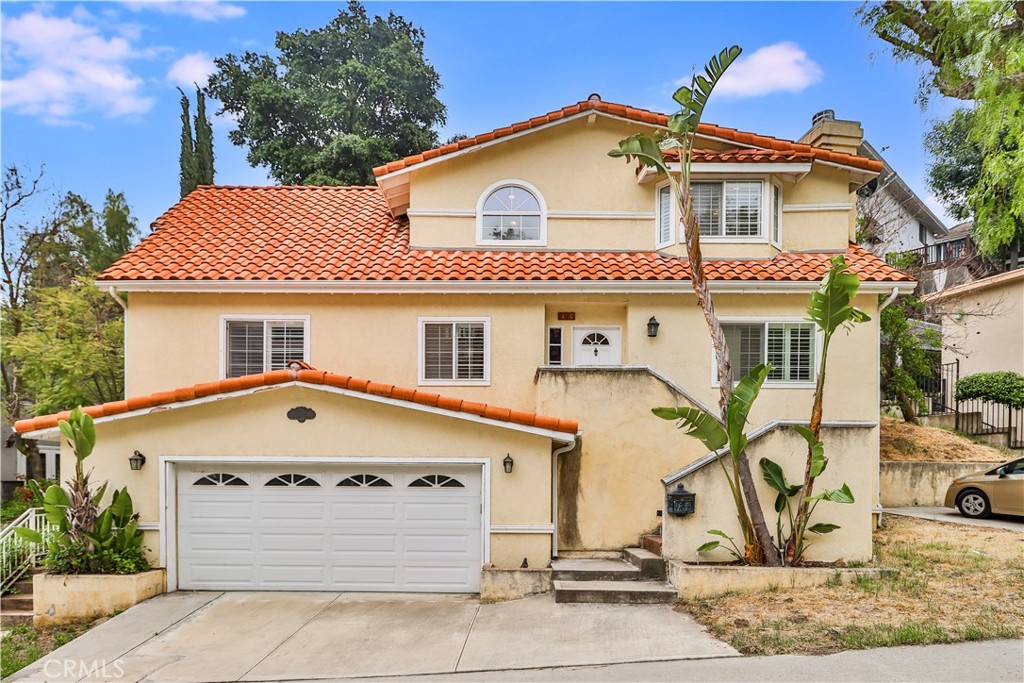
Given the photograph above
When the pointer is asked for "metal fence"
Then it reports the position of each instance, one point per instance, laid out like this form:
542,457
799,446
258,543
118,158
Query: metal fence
976,417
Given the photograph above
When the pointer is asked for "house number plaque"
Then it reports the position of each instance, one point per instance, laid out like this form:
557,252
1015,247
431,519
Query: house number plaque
567,315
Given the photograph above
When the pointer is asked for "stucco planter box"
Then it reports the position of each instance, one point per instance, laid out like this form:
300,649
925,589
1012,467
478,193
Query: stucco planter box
61,598
709,580
511,584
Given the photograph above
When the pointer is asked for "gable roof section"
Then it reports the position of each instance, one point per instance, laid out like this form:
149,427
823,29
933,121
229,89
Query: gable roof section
302,374
1011,278
347,236
631,114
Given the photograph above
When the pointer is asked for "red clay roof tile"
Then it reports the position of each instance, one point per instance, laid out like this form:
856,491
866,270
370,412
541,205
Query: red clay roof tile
306,375
643,116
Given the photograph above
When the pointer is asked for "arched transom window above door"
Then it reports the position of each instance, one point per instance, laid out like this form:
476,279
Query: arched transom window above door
511,213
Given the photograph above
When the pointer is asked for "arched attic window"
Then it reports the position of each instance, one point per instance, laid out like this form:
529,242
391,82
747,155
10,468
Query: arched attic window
511,212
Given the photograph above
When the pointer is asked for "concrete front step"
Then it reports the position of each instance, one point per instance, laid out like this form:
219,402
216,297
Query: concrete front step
594,570
617,592
15,618
23,587
16,603
651,566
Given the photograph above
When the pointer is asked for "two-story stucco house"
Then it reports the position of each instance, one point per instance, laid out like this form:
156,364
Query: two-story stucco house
477,343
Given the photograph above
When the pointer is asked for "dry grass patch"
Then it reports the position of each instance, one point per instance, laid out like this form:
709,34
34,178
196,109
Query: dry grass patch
903,441
949,583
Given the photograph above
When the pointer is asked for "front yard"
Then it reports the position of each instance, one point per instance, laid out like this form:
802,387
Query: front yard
23,644
950,583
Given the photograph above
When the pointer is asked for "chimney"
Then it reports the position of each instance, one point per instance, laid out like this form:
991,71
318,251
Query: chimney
831,133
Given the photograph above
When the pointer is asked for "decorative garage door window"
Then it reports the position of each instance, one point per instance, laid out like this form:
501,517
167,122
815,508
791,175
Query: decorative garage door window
292,480
364,480
220,479
436,481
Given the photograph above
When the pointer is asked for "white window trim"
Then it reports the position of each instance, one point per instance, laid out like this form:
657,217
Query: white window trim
547,346
818,339
764,224
511,243
776,215
420,349
249,317
673,217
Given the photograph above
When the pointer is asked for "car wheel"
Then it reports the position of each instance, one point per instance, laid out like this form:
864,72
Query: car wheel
973,503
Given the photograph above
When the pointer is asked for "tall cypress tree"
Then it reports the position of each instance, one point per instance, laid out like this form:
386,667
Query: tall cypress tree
204,142
187,155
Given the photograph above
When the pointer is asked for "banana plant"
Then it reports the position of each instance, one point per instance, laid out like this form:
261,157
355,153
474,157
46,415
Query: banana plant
678,140
830,309
715,435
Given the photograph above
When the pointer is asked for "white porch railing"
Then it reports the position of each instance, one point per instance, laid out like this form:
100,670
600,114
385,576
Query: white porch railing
17,554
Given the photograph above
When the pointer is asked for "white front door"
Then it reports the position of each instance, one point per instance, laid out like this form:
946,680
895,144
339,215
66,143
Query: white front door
410,528
597,346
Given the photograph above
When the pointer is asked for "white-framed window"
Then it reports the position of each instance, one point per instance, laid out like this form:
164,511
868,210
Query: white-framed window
511,213
251,344
455,351
664,214
730,209
776,214
791,347
556,346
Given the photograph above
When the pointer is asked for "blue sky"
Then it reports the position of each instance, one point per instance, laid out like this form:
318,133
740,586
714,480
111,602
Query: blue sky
89,88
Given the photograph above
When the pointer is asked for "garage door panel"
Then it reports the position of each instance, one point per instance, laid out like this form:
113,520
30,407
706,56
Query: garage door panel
352,544
356,537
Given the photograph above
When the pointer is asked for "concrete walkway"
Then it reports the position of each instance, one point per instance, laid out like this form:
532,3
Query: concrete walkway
941,514
206,636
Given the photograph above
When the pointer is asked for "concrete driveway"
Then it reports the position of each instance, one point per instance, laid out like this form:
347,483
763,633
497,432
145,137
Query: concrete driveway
941,514
248,636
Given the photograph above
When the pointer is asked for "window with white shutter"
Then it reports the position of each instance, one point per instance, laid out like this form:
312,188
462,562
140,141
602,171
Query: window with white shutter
664,216
255,345
788,347
454,351
731,208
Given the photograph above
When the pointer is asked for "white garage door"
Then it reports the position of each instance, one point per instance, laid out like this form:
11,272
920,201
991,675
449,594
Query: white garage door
345,528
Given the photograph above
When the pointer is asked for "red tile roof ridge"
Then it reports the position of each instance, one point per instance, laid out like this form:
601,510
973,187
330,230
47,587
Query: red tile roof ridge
634,114
288,187
306,374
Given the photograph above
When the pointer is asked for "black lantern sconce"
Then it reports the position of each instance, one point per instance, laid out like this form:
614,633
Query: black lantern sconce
507,463
137,460
652,327
681,502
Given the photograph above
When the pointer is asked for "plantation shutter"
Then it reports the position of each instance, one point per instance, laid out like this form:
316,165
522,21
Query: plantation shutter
245,348
437,351
287,343
664,215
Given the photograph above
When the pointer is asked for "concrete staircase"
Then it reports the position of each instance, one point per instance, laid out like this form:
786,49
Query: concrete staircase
638,578
18,607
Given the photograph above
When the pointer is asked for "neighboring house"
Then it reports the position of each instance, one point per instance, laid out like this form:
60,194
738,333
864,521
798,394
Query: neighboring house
521,301
12,463
983,323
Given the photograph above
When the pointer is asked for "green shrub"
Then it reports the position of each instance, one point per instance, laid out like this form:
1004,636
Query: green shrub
1005,387
73,558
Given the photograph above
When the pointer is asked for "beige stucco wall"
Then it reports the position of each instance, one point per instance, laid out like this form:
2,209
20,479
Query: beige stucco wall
570,167
989,335
256,426
853,458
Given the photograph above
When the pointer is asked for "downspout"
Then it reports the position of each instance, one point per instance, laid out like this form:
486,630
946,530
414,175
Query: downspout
554,490
113,295
878,478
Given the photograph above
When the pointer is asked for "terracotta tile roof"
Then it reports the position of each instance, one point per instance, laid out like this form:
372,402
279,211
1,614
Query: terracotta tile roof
763,156
641,116
302,372
274,234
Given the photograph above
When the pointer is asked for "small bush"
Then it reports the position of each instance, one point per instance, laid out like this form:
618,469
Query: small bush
1006,388
73,558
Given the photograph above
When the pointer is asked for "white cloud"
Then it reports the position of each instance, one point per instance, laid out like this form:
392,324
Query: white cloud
66,66
193,68
200,10
782,67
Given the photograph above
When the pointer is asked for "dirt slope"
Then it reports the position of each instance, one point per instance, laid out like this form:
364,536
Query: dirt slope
903,441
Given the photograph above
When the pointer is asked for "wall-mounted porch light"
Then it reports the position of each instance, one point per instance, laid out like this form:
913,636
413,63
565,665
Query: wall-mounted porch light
508,462
137,460
652,327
